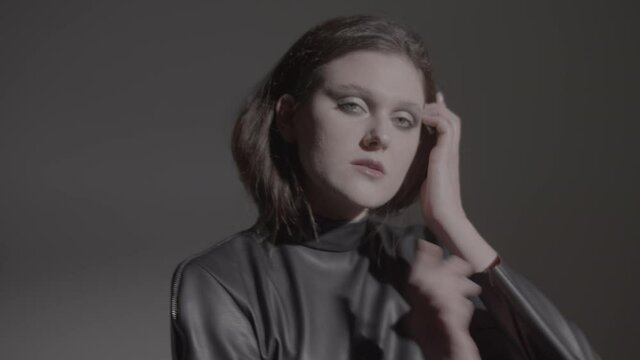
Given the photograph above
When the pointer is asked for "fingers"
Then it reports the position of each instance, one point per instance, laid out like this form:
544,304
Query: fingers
434,254
444,288
458,266
429,249
462,270
469,288
439,107
438,116
431,269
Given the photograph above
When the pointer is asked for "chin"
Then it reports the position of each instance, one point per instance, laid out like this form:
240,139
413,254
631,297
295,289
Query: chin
368,196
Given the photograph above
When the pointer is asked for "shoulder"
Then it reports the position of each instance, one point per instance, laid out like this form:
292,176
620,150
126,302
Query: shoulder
210,310
233,250
225,263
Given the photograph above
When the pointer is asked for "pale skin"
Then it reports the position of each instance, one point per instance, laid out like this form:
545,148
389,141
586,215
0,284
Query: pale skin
440,193
444,282
443,286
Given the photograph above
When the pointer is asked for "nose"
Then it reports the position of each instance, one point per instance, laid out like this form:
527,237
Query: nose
376,137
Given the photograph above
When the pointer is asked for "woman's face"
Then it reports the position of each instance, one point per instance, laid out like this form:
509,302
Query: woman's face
367,106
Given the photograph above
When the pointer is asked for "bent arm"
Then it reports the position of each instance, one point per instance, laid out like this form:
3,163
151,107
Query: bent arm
529,318
533,325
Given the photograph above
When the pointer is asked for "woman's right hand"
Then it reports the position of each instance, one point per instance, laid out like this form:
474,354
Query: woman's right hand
440,299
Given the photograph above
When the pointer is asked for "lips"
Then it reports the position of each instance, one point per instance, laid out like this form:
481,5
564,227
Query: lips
370,163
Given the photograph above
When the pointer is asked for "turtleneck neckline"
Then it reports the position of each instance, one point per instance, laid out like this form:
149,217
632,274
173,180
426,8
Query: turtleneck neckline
339,235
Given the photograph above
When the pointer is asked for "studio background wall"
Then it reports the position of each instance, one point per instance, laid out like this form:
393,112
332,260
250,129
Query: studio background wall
115,124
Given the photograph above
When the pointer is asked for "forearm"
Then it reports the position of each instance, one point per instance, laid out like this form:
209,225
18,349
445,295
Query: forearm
530,318
462,239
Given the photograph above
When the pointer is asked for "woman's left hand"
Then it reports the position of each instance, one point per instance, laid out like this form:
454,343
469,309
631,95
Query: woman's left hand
440,192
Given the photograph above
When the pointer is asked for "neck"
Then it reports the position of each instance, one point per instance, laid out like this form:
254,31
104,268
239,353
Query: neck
331,205
346,217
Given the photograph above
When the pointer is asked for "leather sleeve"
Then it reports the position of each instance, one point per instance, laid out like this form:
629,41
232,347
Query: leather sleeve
206,322
529,318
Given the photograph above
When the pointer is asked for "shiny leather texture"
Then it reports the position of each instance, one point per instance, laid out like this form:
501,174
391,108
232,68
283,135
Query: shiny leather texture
344,297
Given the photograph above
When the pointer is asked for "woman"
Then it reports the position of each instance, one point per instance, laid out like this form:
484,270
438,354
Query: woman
346,130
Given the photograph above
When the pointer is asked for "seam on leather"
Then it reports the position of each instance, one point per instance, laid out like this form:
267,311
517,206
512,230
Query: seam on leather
506,282
250,322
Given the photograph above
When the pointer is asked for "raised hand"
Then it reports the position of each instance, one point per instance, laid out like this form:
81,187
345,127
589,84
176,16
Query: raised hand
440,192
440,198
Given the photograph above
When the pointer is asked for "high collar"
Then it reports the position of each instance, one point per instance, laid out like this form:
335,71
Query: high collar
339,235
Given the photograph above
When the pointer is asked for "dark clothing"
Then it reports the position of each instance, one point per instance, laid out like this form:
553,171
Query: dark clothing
344,297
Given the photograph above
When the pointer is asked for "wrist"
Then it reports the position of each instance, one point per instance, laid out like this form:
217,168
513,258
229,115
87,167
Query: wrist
454,344
464,348
460,236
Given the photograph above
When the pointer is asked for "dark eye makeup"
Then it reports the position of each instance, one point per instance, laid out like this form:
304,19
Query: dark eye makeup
352,107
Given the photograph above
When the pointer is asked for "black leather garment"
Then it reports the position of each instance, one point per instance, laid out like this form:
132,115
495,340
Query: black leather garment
344,297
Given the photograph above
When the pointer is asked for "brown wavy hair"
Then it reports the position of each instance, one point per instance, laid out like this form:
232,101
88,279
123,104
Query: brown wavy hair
269,166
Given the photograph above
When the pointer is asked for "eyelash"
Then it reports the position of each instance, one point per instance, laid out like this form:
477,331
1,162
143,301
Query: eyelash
344,105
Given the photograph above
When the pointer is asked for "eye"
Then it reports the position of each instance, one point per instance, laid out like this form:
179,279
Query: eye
405,122
350,107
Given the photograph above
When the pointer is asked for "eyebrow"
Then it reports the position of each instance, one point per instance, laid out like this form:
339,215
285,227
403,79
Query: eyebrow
366,92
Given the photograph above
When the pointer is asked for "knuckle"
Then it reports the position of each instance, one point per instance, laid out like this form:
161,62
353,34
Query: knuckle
462,265
477,289
414,276
469,306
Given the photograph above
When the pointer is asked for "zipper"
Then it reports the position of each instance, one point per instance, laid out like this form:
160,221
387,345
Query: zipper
174,289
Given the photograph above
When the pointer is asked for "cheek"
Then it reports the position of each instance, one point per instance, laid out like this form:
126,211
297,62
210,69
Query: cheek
406,153
328,151
328,144
316,154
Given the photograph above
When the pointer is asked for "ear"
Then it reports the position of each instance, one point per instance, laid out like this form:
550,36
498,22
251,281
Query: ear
285,107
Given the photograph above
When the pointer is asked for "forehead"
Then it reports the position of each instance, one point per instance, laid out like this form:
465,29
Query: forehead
388,76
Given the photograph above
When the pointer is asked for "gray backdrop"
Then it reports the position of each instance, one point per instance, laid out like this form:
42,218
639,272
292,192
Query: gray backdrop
115,161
